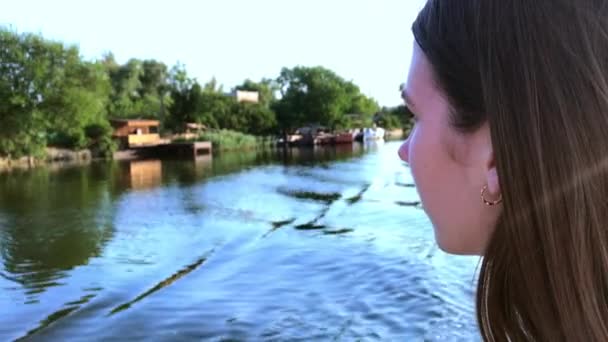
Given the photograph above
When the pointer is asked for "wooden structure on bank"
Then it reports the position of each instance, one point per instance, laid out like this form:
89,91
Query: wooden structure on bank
190,150
136,133
140,139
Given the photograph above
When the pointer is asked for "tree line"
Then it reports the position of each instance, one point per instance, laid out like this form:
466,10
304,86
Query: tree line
51,96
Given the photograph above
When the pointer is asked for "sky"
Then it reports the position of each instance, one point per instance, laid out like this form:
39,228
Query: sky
366,41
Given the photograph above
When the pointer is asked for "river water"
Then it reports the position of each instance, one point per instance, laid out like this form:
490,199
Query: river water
327,244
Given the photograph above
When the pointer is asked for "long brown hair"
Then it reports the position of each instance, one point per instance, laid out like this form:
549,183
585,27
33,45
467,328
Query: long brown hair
537,72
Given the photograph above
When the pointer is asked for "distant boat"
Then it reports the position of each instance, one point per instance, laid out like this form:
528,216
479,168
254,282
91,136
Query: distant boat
374,133
345,137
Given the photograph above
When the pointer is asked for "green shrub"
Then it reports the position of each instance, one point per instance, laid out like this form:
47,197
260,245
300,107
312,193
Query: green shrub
100,140
231,140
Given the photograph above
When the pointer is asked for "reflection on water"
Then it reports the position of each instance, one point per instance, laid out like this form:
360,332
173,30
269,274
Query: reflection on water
296,244
47,230
145,174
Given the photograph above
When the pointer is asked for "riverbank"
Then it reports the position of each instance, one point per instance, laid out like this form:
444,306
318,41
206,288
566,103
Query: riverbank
228,140
54,157
222,141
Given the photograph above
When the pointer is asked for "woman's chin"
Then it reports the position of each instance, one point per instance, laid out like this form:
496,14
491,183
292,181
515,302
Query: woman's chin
455,246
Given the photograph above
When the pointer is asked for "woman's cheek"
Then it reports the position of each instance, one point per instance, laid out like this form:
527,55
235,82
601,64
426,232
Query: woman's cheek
413,151
420,158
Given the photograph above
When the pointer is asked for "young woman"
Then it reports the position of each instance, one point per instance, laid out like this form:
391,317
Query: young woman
510,156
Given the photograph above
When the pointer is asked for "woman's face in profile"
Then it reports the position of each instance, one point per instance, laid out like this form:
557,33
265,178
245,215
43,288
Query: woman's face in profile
450,168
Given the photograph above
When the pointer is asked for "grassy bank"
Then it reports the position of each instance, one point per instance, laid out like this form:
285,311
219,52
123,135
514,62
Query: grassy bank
225,140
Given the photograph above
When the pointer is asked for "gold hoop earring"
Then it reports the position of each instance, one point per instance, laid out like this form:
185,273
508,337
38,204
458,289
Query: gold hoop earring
485,201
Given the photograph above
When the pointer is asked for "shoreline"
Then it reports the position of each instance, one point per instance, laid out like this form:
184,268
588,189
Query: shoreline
55,157
62,158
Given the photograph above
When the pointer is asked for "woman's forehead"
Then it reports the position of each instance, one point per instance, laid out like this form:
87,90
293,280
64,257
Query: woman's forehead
420,85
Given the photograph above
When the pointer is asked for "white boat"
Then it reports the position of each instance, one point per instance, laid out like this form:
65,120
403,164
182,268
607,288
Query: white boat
374,133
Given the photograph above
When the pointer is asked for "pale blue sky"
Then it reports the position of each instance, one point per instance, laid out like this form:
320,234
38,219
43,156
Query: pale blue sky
366,41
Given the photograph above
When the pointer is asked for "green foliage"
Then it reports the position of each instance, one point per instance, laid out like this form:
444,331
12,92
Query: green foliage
139,88
318,95
252,118
79,100
208,105
104,147
363,105
214,109
191,104
185,93
389,121
100,137
396,117
47,95
309,95
25,72
21,144
97,131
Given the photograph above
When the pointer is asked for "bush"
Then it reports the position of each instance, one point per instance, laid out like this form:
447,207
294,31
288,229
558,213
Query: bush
22,144
97,131
389,121
100,139
74,140
230,140
105,147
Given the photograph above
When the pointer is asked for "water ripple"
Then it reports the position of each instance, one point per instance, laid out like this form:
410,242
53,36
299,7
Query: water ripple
164,283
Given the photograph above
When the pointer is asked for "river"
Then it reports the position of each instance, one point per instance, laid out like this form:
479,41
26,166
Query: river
325,244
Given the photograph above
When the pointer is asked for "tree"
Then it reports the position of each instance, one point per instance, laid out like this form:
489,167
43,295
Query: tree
46,93
396,117
25,72
78,100
251,118
185,93
139,88
318,95
212,87
155,88
192,102
125,85
361,104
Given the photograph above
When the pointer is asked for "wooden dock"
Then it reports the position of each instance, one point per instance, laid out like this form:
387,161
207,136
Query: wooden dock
181,150
187,149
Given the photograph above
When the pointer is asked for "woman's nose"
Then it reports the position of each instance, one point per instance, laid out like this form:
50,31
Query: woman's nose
403,150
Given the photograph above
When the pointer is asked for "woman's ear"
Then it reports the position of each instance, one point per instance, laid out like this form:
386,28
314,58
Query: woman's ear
492,176
486,161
